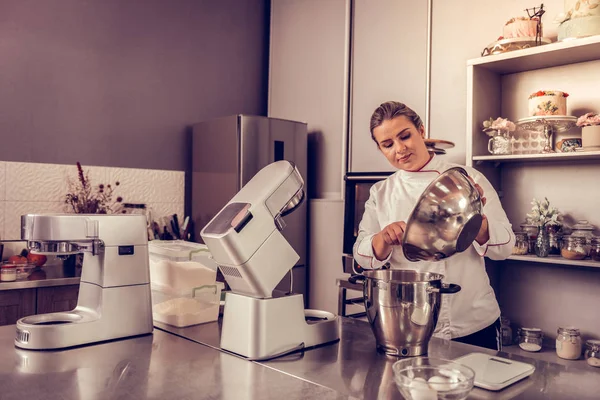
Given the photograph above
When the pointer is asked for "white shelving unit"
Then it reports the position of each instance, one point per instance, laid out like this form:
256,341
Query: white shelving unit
557,260
498,85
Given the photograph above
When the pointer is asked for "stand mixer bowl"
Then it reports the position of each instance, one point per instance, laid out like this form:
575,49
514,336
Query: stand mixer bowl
402,308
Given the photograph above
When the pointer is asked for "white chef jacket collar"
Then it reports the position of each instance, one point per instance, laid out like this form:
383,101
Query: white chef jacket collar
433,166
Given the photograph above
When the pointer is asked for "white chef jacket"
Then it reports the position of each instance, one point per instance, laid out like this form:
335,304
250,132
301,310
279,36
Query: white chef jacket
475,306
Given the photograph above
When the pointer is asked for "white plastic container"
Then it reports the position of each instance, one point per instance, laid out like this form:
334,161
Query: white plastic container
180,250
183,281
191,307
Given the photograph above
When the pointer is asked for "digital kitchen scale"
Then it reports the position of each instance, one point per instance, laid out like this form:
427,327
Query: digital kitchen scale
495,373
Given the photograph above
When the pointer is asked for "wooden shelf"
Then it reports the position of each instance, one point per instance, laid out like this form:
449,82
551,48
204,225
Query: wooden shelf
545,56
556,260
578,155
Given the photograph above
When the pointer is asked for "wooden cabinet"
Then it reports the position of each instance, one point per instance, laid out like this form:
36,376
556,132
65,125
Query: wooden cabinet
389,62
56,298
15,304
19,303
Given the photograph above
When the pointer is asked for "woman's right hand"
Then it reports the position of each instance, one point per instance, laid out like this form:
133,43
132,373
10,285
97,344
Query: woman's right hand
389,236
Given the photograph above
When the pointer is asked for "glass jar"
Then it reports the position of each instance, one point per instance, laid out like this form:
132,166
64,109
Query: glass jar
506,331
530,339
554,240
595,249
568,343
573,247
585,229
592,353
8,273
499,143
521,244
532,231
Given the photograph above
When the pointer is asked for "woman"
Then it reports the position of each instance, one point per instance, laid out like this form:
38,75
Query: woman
472,315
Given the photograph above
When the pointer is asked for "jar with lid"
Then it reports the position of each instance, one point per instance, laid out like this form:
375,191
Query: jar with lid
585,229
595,249
592,353
530,339
532,232
554,239
8,272
521,244
573,247
506,331
568,343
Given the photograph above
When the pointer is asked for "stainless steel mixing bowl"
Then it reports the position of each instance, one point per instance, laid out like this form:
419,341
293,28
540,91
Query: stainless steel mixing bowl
445,220
402,308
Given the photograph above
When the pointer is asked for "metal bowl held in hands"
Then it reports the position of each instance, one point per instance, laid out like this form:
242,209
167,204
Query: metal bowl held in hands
445,220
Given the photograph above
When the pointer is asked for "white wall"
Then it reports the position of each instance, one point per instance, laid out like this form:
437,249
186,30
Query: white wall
461,30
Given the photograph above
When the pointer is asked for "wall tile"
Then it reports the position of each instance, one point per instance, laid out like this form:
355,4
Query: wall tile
2,180
2,206
35,182
149,186
14,209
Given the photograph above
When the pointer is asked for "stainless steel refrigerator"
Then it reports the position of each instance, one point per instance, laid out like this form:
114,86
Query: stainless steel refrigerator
227,152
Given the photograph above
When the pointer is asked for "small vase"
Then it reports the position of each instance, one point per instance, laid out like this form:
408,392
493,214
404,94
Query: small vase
542,243
499,143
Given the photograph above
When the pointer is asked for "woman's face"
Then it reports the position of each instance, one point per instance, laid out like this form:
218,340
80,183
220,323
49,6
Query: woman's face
402,143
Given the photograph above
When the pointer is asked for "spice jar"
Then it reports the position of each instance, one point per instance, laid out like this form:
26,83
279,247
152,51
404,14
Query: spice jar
8,273
505,331
568,343
585,229
595,249
554,240
521,244
573,247
530,339
592,353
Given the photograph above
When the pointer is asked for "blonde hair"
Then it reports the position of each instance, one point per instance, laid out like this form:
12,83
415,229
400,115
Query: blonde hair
390,110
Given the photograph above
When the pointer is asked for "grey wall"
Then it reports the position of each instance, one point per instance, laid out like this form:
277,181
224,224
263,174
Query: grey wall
116,82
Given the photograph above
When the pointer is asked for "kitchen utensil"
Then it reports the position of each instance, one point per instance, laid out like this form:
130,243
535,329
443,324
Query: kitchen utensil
445,220
433,378
402,308
495,373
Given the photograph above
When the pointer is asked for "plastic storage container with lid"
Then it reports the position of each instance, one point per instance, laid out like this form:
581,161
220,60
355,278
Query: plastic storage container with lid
530,339
568,343
592,353
183,282
186,307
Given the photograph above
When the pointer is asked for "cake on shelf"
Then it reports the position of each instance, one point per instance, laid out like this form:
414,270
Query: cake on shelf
520,33
522,27
548,102
581,18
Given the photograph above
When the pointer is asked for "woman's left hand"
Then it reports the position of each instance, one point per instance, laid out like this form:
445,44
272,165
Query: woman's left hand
484,234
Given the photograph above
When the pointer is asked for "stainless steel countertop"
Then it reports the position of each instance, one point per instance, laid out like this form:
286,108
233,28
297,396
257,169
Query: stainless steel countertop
354,368
157,366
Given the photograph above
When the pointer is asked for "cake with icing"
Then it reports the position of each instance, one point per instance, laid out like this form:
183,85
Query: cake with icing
548,102
581,18
521,27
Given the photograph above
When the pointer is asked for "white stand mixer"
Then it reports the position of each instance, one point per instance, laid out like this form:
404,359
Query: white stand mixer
114,293
245,241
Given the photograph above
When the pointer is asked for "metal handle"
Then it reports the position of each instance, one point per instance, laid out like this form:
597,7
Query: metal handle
355,278
447,288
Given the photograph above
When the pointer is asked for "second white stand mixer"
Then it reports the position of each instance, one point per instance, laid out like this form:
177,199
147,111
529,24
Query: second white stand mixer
244,239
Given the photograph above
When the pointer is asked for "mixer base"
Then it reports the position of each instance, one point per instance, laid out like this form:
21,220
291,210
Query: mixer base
405,351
